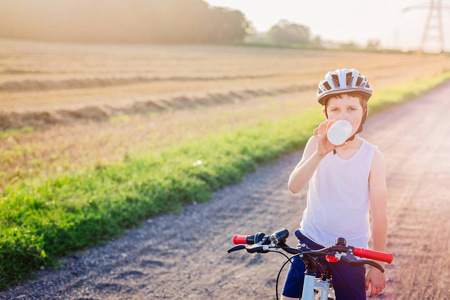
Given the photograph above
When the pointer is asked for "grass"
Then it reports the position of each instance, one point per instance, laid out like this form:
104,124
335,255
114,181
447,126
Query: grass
119,119
346,48
15,132
395,96
40,222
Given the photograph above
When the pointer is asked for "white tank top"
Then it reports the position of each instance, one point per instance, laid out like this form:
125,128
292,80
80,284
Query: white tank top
338,199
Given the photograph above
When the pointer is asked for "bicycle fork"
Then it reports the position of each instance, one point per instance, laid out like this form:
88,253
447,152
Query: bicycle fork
311,283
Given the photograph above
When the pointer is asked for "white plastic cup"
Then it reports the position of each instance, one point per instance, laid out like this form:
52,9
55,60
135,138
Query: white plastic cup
339,132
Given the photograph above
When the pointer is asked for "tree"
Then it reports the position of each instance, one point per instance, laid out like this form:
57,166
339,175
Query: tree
227,25
289,33
317,41
133,21
373,45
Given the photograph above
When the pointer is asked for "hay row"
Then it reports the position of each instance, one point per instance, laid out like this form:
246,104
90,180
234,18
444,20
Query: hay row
76,83
17,120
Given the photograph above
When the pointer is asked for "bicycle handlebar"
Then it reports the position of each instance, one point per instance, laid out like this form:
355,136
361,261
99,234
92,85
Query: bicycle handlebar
352,256
280,236
242,239
252,239
372,254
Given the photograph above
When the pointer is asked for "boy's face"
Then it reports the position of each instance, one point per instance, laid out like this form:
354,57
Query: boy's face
345,107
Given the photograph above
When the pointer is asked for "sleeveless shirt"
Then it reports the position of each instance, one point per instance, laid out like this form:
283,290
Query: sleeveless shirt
338,199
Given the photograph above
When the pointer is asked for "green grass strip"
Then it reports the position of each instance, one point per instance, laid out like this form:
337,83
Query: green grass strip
38,223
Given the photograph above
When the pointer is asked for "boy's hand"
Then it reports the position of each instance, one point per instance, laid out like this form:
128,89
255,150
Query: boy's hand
376,280
320,133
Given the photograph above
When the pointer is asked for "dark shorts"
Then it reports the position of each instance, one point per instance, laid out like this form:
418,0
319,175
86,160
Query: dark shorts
348,282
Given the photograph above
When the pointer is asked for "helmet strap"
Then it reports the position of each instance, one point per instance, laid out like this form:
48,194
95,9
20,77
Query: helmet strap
361,125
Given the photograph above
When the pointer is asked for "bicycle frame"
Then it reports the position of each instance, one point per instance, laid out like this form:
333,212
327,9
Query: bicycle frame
311,283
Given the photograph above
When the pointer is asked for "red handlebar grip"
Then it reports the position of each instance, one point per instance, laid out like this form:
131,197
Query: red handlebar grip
240,239
372,254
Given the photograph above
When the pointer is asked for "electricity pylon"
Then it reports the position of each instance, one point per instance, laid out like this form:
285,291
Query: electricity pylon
433,22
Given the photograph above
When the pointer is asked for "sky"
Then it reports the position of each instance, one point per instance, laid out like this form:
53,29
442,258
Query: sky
349,20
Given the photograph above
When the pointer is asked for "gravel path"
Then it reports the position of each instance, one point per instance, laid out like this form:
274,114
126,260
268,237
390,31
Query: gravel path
184,256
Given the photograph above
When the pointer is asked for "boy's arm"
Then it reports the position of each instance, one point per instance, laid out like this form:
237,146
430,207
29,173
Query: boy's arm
378,202
305,168
317,147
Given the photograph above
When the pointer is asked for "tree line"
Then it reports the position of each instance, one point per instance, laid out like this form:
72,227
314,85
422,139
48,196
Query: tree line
118,21
286,33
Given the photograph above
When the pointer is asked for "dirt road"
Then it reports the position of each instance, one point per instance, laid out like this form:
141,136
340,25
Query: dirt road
184,256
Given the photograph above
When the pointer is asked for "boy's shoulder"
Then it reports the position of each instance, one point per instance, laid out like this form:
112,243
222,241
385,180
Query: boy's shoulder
378,158
371,146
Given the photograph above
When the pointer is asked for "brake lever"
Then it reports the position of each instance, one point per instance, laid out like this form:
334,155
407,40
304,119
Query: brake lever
258,249
375,264
236,248
352,261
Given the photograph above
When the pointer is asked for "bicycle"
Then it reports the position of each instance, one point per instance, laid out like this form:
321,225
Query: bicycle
323,286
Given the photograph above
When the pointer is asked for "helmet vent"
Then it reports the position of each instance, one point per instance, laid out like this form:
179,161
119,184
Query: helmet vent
358,82
368,86
336,80
327,85
348,78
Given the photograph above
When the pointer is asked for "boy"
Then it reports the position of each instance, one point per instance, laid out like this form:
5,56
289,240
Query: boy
345,183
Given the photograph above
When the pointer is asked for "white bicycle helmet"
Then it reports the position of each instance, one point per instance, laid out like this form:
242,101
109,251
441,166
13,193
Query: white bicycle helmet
343,81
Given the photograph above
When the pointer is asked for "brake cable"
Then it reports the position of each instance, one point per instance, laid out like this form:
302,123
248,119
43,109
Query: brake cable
288,259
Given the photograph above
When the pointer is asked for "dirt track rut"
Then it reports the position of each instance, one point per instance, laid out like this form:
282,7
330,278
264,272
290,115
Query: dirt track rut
184,256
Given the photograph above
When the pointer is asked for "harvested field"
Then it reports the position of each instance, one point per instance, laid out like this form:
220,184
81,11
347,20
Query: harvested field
44,76
65,107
